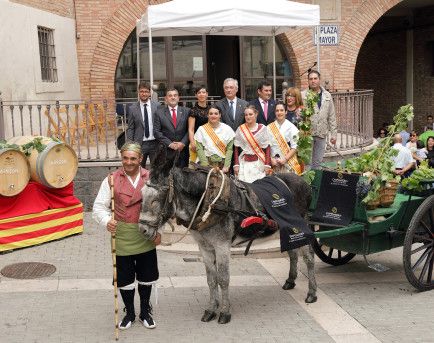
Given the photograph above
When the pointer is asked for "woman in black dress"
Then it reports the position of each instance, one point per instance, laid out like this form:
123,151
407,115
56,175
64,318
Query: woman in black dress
294,104
430,151
198,117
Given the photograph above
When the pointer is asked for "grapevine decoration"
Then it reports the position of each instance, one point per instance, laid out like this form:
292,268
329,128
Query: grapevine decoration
5,145
304,144
423,173
36,144
377,165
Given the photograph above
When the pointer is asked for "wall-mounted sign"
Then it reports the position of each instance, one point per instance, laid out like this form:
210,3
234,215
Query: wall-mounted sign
329,35
197,64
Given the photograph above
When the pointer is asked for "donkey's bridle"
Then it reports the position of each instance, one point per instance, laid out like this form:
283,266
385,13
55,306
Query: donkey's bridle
168,200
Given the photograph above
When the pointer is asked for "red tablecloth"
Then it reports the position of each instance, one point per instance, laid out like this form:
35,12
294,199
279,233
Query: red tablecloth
36,198
39,214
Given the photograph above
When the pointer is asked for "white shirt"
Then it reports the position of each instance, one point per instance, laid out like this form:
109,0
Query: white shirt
261,101
290,134
404,156
150,121
234,100
101,211
224,133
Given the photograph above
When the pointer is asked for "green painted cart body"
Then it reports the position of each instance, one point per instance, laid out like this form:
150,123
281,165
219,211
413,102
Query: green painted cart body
409,222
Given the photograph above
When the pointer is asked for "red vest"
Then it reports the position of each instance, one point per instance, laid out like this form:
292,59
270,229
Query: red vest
128,200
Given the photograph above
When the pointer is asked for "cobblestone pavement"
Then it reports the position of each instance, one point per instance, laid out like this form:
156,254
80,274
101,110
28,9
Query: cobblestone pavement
75,304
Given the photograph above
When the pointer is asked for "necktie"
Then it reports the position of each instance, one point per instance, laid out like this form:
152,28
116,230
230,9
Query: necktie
265,109
146,120
174,117
231,108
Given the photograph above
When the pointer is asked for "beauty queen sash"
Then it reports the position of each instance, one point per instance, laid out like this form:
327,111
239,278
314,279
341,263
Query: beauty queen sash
284,147
252,142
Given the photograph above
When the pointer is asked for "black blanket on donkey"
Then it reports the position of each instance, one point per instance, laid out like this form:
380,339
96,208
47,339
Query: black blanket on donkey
279,203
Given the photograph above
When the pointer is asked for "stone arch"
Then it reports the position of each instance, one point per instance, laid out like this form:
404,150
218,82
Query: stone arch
356,30
110,45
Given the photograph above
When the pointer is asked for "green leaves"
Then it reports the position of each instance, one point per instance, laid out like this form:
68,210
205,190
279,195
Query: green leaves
305,141
414,181
5,145
27,148
378,163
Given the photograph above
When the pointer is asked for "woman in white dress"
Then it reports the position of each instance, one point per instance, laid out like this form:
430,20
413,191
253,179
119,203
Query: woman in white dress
283,143
252,148
214,142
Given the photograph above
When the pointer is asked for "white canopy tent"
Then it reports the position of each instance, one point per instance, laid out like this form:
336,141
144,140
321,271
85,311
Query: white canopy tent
224,17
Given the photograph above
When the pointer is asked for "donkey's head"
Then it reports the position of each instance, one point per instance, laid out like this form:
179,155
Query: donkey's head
157,195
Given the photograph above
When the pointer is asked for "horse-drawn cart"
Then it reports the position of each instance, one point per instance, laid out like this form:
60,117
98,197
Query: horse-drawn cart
408,222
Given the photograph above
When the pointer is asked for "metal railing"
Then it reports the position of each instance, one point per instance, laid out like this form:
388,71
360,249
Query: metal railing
91,129
354,116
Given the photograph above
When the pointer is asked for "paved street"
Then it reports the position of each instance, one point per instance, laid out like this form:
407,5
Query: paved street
75,304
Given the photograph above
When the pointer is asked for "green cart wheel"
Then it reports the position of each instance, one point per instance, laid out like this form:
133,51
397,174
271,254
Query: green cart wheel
330,255
418,252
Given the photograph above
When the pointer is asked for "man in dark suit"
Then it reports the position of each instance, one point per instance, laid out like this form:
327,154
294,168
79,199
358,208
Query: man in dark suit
171,126
140,123
231,107
264,104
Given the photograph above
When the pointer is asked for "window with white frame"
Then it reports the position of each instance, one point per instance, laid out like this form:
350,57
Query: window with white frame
47,54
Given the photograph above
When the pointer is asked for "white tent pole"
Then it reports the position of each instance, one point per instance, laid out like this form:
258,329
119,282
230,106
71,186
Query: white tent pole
274,63
138,55
151,64
317,48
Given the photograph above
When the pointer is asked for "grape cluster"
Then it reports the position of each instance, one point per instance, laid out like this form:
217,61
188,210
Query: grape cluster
362,188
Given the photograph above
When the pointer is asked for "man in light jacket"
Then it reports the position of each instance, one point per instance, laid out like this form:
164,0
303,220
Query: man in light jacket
323,121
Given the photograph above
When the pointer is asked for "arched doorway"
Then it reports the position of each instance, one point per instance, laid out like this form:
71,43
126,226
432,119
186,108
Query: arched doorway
396,61
185,62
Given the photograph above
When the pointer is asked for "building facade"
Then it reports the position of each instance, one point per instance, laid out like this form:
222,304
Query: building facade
384,45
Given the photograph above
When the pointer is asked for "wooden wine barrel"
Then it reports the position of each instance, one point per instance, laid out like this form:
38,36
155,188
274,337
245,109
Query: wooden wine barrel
55,167
14,172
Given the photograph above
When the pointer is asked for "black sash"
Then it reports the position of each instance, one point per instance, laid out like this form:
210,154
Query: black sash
278,202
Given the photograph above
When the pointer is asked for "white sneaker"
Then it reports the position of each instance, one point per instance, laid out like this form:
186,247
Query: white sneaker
147,321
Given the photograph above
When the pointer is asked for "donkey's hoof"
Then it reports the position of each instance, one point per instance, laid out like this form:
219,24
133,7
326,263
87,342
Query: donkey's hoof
224,318
311,299
288,285
208,316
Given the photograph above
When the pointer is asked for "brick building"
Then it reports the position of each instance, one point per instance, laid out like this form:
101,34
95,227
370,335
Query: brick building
385,45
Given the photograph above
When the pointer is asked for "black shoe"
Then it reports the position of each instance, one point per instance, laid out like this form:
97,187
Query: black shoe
147,320
126,322
128,299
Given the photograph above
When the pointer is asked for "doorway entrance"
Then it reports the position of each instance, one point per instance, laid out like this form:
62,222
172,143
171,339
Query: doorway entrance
223,61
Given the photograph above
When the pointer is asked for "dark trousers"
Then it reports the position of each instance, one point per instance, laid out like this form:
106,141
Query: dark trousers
149,149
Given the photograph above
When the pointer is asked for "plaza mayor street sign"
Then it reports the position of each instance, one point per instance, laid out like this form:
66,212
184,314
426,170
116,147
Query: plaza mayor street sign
329,35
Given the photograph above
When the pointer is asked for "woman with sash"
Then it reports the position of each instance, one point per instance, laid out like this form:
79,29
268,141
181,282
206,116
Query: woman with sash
252,148
214,142
284,137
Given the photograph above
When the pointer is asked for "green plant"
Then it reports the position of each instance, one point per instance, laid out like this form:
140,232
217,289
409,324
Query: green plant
377,165
414,181
5,145
36,144
305,140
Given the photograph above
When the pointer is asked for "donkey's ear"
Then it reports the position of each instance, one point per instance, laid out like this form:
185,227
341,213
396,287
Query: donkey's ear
162,163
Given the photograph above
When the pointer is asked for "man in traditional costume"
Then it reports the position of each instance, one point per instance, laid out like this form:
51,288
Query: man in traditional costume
136,256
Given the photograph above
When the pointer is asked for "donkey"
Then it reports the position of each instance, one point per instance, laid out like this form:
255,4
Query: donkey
173,192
